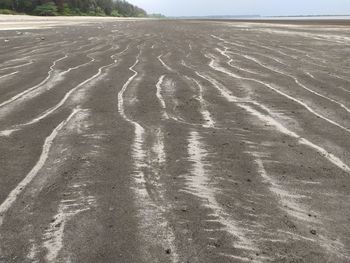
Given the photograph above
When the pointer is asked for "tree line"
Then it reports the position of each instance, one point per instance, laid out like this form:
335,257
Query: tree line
72,7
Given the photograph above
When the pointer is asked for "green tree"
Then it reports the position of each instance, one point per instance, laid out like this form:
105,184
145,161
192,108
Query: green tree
73,7
47,9
7,4
26,5
115,13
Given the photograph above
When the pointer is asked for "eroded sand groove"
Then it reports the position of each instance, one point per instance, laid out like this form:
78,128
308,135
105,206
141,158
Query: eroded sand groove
174,141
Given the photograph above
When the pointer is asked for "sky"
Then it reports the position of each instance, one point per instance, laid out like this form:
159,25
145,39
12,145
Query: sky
244,7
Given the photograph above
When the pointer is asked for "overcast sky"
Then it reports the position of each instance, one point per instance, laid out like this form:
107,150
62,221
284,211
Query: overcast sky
244,7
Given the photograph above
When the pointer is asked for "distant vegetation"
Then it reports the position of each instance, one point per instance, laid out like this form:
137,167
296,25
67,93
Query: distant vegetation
157,16
118,8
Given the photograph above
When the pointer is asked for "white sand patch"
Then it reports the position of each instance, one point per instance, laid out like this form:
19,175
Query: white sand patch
23,22
160,96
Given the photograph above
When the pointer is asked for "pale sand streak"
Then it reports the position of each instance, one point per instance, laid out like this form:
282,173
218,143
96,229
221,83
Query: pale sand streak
268,119
12,197
160,97
209,122
340,77
168,233
198,184
294,209
149,213
52,82
285,198
227,42
241,103
169,86
324,37
155,227
300,212
239,68
295,80
223,91
259,45
277,60
76,201
263,55
48,83
18,66
54,234
216,67
23,54
7,75
63,100
53,109
338,87
36,86
163,63
121,93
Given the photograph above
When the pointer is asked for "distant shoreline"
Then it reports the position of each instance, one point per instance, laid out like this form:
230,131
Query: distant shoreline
11,21
340,20
258,17
289,21
310,17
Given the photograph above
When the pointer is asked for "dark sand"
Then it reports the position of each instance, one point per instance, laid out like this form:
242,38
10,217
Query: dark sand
175,141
